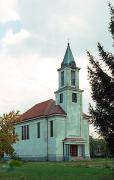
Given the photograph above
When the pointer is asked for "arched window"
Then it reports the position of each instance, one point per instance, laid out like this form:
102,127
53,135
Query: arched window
74,97
62,78
61,98
51,128
73,78
38,130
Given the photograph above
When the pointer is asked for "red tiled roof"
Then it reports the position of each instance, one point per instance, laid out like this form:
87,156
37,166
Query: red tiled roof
43,109
73,139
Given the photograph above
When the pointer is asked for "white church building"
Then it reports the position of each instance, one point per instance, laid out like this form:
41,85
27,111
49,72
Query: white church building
56,129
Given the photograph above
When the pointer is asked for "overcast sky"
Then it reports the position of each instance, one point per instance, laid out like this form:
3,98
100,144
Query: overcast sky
33,40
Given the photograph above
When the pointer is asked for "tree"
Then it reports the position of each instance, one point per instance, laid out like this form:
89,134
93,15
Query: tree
102,90
97,147
7,132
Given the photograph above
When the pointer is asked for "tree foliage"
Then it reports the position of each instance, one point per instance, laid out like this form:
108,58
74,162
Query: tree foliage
98,147
7,132
101,78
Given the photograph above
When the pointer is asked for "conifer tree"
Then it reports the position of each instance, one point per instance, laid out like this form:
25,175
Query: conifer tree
101,79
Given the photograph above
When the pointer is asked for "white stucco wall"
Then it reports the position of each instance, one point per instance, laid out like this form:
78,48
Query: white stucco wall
74,112
85,135
33,146
44,146
60,136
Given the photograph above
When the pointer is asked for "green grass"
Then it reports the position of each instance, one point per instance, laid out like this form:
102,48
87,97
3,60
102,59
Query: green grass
98,169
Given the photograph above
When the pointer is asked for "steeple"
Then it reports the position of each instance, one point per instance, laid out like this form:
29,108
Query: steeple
68,59
69,95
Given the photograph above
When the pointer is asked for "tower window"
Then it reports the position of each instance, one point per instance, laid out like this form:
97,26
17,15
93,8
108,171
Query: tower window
62,78
51,128
73,78
74,97
38,130
61,98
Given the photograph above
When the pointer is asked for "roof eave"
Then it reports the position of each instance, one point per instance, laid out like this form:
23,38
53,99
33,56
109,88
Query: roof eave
45,116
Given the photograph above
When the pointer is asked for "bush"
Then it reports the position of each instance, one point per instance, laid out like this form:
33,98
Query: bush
14,163
107,164
15,157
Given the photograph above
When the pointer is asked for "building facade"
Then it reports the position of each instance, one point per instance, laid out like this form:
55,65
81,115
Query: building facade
56,130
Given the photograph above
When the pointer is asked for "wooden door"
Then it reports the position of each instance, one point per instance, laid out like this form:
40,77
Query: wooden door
73,150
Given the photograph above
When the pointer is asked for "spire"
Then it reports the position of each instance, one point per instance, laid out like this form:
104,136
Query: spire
68,58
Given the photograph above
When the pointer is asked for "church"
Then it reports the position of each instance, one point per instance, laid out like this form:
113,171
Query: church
56,130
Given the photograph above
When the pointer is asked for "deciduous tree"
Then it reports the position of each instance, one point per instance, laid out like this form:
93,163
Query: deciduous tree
7,132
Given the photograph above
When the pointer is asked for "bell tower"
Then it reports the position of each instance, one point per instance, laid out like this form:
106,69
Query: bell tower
68,95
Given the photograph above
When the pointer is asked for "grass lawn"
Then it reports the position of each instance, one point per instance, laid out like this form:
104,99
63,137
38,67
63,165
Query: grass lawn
97,169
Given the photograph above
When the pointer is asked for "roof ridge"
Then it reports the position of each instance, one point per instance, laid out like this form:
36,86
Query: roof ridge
43,102
49,105
43,109
35,106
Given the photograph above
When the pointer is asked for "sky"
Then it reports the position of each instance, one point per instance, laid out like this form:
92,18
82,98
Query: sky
33,40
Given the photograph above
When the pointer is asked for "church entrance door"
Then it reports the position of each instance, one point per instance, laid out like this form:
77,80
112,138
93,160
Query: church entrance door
73,150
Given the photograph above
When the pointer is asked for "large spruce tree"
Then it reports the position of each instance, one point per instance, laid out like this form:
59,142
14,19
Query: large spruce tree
101,79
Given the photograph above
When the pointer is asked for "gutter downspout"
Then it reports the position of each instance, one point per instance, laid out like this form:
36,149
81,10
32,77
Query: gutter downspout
63,152
47,138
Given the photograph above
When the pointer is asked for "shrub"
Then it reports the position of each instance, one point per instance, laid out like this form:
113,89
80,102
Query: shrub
14,163
15,157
